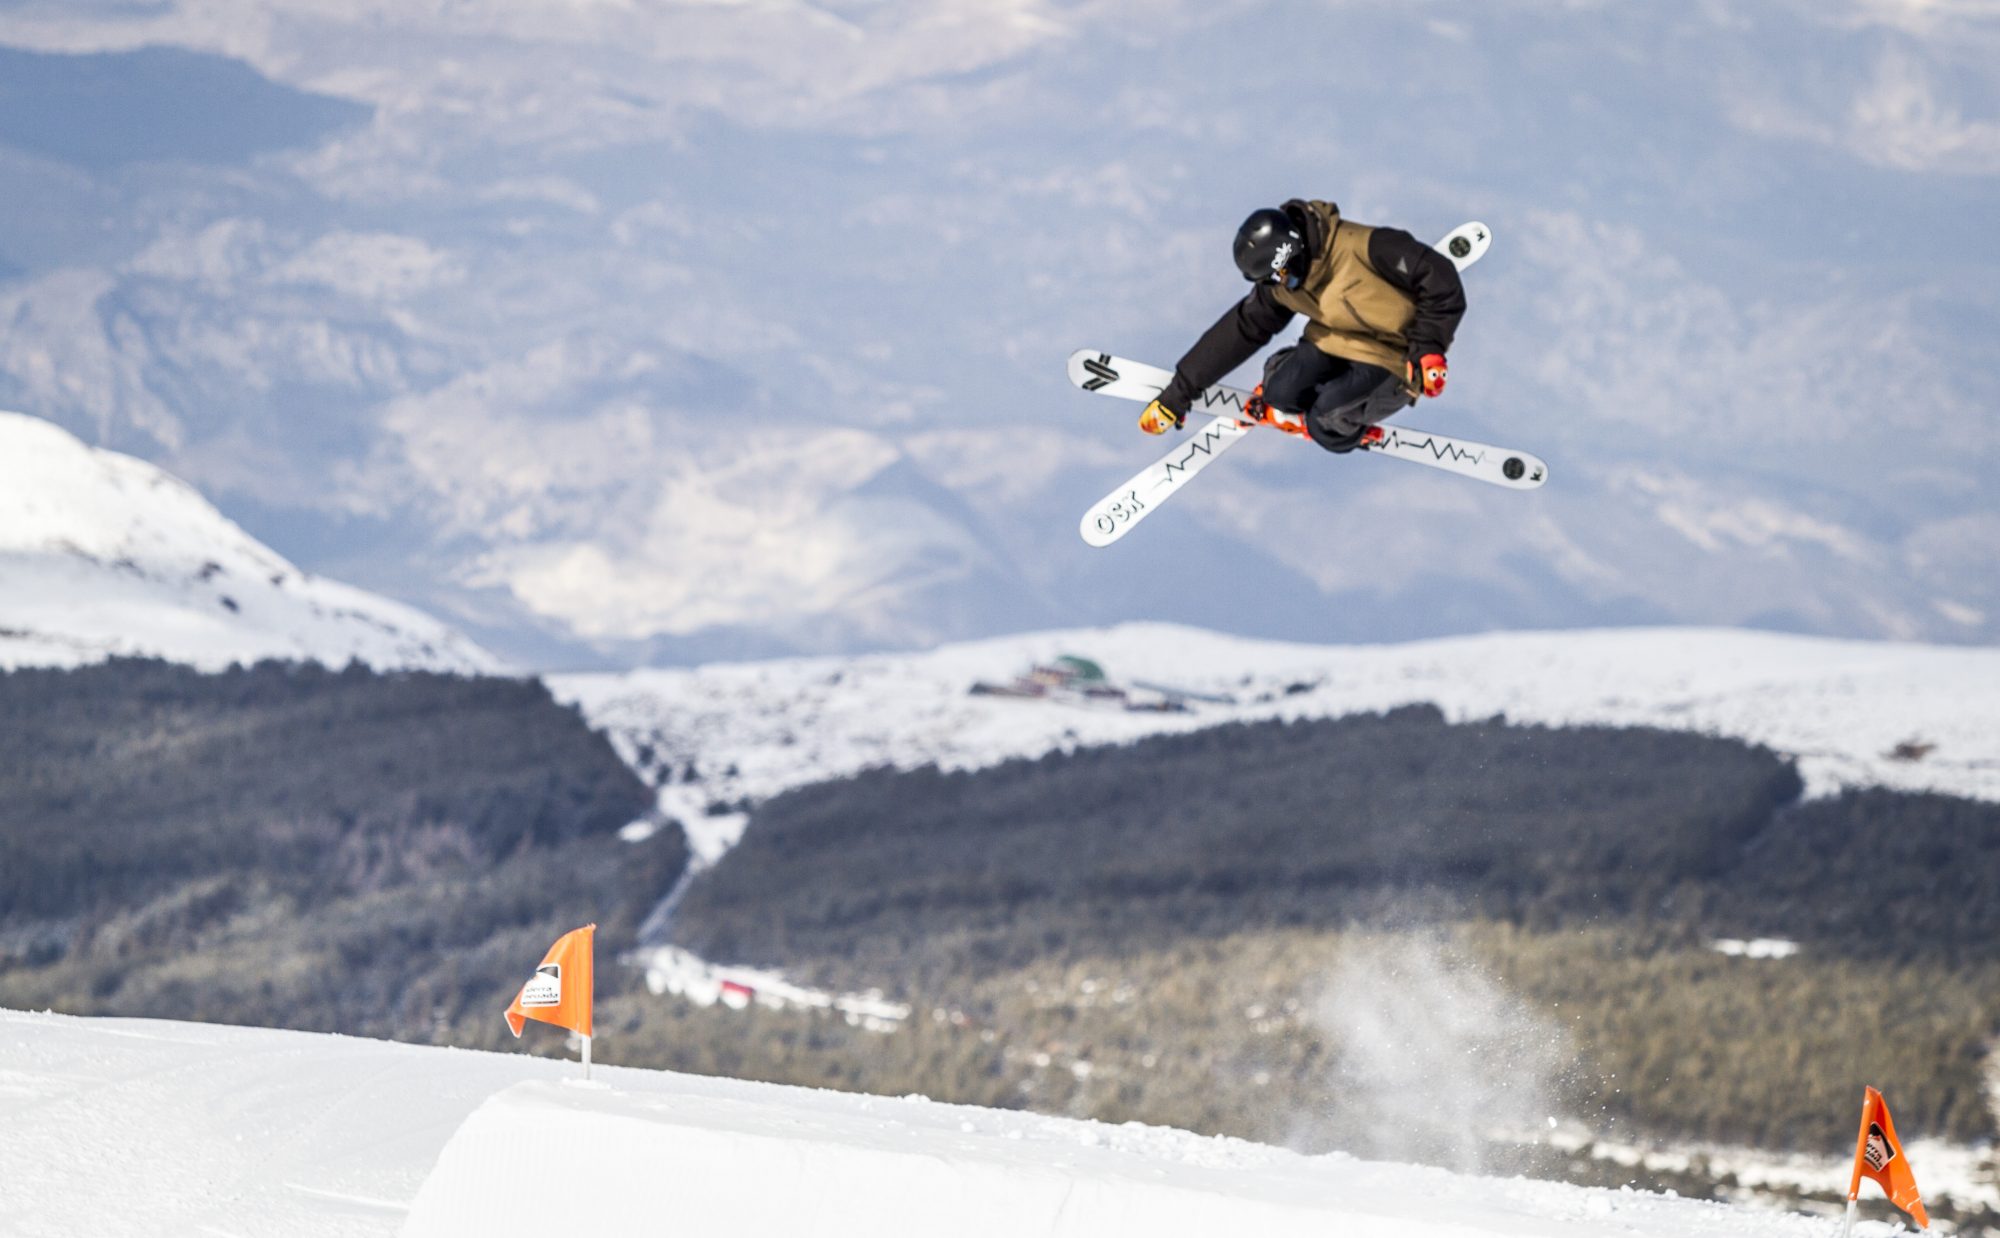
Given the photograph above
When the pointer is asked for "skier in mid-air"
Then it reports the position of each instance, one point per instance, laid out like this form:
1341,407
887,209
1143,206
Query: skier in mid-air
1381,309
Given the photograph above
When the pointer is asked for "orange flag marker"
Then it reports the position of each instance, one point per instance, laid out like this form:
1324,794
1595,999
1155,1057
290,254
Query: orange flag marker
561,990
1878,1154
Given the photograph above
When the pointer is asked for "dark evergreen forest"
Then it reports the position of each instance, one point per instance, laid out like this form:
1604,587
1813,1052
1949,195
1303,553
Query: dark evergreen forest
1588,869
293,846
1330,822
1315,823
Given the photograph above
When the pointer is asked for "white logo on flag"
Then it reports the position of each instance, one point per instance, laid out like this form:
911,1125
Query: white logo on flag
1877,1151
546,988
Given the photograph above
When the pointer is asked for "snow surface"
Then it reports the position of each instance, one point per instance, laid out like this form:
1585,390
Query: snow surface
102,555
715,735
141,1127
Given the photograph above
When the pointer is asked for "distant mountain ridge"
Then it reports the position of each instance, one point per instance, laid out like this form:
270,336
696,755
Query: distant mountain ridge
1851,713
104,555
531,327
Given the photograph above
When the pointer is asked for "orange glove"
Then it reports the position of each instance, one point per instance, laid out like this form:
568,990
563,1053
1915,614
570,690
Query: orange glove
1425,374
1158,419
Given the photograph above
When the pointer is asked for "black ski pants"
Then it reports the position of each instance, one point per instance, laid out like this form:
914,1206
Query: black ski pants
1338,398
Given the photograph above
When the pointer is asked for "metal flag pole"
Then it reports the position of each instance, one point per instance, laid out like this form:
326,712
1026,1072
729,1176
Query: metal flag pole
1854,1182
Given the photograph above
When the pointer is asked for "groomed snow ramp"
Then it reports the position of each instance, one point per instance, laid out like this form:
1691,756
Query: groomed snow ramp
568,1158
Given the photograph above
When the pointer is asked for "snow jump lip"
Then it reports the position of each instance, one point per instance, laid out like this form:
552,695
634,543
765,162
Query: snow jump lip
157,1127
710,1156
549,1157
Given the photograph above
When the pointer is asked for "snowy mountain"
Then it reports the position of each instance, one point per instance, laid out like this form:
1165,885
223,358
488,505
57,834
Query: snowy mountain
1851,713
661,331
102,554
145,1127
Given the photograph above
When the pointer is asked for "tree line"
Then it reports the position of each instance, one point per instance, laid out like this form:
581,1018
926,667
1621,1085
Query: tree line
290,845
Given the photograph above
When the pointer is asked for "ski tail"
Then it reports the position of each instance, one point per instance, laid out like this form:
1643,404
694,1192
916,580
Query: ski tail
1119,512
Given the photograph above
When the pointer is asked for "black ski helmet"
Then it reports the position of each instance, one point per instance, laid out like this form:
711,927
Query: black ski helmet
1268,243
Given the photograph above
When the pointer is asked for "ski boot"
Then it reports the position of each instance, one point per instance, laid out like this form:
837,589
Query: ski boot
1257,412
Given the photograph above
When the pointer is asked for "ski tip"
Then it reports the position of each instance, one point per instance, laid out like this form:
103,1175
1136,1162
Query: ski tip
1086,364
1078,375
1093,369
1518,470
1466,244
1095,534
1523,471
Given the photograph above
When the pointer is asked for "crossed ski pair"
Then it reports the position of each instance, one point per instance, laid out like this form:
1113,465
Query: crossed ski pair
1115,515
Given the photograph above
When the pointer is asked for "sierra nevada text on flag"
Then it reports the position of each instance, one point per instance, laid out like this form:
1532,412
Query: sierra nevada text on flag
1878,1154
560,990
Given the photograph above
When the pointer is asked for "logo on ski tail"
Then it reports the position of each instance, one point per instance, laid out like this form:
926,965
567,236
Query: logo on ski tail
1100,371
1119,509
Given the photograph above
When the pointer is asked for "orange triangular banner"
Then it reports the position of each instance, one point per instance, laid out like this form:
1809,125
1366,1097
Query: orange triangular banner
560,990
1878,1154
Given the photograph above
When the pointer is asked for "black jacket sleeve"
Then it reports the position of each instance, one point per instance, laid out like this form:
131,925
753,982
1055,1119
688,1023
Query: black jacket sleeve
1235,338
1430,278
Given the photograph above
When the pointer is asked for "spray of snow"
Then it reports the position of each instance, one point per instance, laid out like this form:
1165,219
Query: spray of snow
1435,1058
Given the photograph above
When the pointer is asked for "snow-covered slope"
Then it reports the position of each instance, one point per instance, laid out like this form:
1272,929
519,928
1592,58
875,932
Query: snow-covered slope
103,554
123,1126
721,733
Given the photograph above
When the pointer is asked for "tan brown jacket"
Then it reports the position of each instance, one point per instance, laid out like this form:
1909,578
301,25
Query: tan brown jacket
1372,295
1352,311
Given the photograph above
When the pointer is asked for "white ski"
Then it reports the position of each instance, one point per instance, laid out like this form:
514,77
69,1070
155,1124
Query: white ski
1135,380
1113,516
